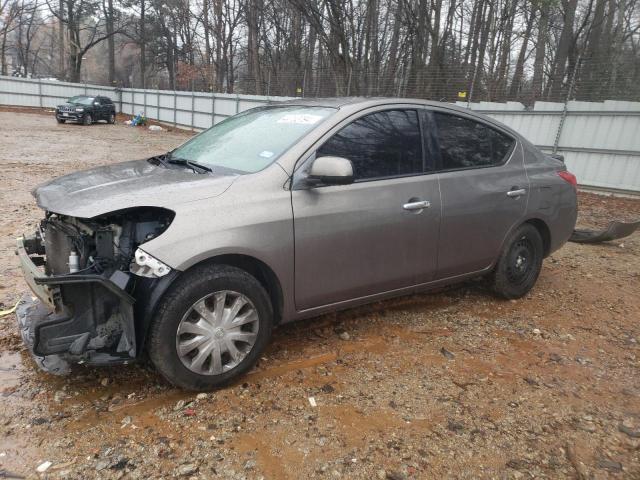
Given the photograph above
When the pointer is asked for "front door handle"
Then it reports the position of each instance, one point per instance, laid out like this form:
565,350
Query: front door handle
416,205
516,193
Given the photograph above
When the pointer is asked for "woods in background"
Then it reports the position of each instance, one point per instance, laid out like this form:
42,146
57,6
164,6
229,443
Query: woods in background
522,50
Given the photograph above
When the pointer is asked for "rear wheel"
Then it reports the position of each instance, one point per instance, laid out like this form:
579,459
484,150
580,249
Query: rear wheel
520,263
211,328
87,120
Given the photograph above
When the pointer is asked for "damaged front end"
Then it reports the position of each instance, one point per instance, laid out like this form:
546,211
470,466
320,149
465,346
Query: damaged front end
93,286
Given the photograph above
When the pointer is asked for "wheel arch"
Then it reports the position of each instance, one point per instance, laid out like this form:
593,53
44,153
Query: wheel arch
258,269
544,231
255,267
540,225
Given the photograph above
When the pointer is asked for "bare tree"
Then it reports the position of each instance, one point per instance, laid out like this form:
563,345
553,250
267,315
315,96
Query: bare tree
84,31
490,49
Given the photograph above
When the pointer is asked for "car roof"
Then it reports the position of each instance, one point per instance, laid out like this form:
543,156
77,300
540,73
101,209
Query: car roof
359,103
338,102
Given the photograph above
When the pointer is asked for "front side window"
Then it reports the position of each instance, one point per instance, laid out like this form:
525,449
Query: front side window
252,140
381,144
465,143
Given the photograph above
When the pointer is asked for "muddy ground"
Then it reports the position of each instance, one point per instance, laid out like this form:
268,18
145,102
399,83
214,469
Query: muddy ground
452,384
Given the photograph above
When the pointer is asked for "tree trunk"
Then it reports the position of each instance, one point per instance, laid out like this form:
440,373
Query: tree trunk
75,55
519,70
592,79
477,29
566,41
392,65
419,41
482,48
206,25
111,43
61,53
505,51
541,46
143,44
219,28
253,56
3,50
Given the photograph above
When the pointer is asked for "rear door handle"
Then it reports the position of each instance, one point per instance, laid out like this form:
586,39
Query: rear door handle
516,193
416,205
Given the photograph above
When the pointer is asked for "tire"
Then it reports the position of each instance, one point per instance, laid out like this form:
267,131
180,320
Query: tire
87,120
519,264
172,334
112,118
60,120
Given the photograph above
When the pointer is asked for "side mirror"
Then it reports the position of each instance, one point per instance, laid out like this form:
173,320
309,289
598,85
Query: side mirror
331,171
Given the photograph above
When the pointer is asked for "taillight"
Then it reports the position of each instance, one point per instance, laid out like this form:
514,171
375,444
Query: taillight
569,178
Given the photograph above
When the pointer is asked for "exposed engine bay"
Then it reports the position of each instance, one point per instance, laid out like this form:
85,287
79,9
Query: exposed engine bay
98,246
89,275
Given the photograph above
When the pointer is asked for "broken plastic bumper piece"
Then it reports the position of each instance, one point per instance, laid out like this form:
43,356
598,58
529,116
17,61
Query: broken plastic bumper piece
75,318
614,231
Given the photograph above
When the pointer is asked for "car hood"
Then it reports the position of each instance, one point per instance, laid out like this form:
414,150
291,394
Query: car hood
89,193
67,104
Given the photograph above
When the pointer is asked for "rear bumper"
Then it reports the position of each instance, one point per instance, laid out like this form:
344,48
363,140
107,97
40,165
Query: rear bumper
75,318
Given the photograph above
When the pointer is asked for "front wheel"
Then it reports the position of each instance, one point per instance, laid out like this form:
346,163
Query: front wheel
87,120
60,120
211,328
112,118
519,264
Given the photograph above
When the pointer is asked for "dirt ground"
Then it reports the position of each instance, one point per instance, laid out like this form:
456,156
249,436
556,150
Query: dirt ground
454,384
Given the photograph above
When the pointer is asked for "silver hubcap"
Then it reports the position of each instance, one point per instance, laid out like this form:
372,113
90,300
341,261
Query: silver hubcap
217,333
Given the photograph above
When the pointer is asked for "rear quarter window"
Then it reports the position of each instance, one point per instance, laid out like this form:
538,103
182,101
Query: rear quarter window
465,143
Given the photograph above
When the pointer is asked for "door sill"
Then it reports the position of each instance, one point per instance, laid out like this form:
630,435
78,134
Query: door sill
354,302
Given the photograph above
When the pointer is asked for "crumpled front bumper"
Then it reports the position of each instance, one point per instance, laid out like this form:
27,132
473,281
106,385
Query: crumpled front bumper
75,318
31,312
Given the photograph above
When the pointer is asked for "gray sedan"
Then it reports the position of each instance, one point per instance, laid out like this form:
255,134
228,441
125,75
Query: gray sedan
280,213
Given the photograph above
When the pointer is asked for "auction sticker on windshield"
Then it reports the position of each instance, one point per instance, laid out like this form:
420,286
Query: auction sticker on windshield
300,118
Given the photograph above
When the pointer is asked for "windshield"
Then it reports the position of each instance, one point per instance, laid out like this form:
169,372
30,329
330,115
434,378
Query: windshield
81,100
250,141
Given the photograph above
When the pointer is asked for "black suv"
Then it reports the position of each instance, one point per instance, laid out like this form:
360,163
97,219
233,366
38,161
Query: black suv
86,110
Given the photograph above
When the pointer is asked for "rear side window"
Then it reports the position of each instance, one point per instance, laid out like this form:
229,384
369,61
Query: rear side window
381,144
465,143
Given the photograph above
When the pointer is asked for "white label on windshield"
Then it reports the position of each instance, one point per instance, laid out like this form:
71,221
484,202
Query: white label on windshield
300,118
266,154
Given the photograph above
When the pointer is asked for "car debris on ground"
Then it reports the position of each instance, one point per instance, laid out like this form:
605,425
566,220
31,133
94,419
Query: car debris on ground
615,231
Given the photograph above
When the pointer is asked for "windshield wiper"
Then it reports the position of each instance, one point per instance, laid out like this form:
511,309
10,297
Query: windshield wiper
189,163
160,159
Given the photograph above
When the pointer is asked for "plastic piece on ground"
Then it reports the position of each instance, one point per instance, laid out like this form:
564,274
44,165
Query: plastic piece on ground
11,310
614,231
